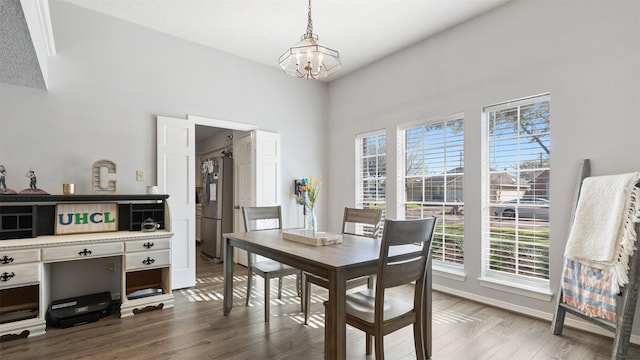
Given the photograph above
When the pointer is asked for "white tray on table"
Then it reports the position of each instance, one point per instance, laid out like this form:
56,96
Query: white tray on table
306,237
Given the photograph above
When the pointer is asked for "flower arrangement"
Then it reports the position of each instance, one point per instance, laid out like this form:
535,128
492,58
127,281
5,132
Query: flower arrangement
310,189
308,197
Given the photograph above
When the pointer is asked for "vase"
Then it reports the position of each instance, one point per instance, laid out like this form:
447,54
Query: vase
312,221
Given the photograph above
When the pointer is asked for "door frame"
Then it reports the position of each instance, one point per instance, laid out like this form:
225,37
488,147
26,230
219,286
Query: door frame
227,125
224,124
189,123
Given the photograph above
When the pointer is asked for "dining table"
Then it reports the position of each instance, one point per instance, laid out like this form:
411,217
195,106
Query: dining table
355,256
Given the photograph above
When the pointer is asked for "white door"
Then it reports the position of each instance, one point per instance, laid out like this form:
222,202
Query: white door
176,177
244,185
267,160
257,176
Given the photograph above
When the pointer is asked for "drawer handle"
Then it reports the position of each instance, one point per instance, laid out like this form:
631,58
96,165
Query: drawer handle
148,261
148,245
6,260
6,276
85,252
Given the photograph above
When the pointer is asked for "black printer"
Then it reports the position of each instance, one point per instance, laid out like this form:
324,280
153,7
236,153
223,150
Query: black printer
79,310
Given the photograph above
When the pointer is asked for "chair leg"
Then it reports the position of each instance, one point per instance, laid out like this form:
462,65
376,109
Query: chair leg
368,344
267,304
246,303
379,340
417,340
280,287
307,300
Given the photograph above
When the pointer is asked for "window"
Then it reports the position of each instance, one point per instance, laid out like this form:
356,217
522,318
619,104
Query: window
371,172
516,190
434,182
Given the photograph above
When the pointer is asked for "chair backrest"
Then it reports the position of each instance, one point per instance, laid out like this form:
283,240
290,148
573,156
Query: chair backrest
368,217
262,217
395,272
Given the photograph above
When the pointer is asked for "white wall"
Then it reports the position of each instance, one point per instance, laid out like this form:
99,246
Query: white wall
109,81
585,53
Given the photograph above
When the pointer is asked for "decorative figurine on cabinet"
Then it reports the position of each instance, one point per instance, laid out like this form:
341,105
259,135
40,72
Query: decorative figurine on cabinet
4,190
32,179
3,175
33,189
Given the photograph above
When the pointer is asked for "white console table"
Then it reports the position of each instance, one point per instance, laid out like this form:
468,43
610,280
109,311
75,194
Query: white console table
26,265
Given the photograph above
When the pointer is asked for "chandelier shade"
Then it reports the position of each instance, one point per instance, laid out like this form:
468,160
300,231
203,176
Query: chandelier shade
309,58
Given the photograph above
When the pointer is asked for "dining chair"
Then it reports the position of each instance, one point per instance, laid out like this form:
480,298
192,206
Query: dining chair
265,218
377,313
352,218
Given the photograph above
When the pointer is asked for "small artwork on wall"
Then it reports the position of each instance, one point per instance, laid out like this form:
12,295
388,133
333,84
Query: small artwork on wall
33,187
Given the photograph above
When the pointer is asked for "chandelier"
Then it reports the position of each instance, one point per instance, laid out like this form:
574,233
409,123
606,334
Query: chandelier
318,61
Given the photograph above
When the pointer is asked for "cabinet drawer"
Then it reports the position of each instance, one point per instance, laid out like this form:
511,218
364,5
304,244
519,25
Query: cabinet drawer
80,252
17,275
146,245
147,259
19,257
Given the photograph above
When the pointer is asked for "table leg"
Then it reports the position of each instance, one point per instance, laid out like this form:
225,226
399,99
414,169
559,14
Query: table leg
335,320
228,276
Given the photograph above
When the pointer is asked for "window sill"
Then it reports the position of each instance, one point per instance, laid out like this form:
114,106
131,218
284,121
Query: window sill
449,271
532,291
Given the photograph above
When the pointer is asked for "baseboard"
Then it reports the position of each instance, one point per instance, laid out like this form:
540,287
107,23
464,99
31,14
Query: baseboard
569,322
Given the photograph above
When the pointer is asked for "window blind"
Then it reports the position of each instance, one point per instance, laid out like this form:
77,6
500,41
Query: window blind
434,182
371,173
517,174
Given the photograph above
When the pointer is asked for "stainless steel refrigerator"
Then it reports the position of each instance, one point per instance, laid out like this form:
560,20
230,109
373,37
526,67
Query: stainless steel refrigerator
217,205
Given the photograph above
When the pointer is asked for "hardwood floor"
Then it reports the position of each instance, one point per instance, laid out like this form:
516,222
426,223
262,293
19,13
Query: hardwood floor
196,329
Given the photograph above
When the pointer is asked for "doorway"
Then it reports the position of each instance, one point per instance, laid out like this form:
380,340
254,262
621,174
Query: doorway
176,151
214,188
214,138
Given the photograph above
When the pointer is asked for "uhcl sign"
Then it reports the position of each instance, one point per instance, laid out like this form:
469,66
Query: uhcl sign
86,218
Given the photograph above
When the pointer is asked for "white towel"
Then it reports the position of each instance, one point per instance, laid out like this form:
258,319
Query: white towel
603,232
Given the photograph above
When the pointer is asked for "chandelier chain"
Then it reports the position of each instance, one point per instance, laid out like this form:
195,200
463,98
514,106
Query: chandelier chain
309,23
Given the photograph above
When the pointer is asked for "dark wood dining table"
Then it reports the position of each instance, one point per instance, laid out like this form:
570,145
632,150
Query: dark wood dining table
355,256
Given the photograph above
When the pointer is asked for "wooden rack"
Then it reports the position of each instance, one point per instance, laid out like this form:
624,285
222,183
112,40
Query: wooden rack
626,302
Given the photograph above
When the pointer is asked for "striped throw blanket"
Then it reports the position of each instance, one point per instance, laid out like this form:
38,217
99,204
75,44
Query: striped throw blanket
588,289
600,243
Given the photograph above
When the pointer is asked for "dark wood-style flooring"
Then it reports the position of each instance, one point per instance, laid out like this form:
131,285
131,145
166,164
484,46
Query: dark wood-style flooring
196,329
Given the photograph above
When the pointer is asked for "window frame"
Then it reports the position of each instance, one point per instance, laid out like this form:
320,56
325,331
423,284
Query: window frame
524,285
359,190
447,269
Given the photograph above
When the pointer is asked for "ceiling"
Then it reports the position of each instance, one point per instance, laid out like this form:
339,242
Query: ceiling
363,31
19,63
205,132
